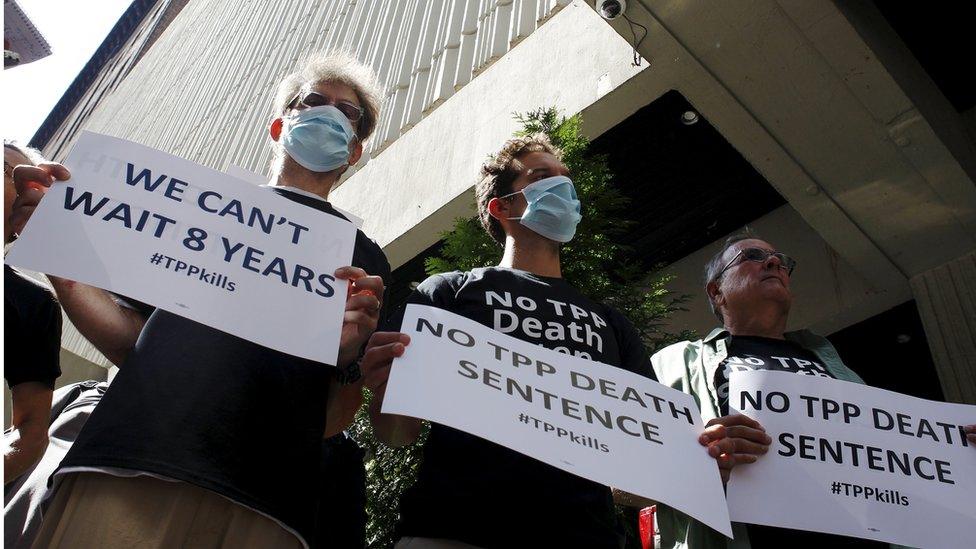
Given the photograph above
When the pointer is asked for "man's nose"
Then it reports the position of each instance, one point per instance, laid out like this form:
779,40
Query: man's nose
773,262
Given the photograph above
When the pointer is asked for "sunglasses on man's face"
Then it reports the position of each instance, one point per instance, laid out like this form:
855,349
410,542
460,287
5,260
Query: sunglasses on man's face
315,99
760,255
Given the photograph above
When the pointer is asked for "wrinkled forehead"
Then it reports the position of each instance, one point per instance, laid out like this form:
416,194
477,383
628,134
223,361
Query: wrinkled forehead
747,243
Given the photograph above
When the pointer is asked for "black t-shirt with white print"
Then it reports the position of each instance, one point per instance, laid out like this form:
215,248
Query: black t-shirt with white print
761,353
199,405
478,492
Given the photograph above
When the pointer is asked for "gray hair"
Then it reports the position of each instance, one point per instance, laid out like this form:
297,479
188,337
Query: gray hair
340,67
717,263
30,153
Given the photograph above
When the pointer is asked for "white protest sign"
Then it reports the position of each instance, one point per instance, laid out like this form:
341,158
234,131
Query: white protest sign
855,460
257,179
591,419
195,242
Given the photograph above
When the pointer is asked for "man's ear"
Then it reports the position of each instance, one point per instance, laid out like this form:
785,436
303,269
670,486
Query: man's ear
355,152
275,128
499,209
714,292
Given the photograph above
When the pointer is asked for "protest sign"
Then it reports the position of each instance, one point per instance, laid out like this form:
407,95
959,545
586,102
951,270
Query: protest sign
195,242
855,460
257,179
591,419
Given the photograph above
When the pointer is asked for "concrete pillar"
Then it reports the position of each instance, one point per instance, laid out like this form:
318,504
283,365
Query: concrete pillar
946,300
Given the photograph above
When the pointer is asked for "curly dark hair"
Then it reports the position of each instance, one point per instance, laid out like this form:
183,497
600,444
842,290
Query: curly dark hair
501,170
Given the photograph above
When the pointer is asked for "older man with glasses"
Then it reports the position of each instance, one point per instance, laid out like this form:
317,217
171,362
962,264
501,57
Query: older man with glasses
205,439
748,288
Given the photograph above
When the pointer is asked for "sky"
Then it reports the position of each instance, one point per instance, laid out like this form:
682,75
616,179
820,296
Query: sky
74,29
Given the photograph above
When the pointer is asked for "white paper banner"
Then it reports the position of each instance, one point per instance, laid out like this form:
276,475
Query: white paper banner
195,242
591,419
855,460
257,179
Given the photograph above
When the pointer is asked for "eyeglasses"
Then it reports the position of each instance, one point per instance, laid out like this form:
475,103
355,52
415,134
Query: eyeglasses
8,168
314,99
760,255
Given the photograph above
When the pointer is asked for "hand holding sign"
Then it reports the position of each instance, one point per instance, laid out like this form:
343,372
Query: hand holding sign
382,349
31,183
362,311
734,439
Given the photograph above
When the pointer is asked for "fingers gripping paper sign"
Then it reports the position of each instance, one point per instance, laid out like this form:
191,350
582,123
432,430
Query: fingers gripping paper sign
855,460
195,242
590,419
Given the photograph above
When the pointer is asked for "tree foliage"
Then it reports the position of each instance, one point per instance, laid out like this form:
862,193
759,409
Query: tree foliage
595,262
389,471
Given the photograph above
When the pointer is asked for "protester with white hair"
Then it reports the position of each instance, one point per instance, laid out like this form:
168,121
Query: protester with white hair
205,439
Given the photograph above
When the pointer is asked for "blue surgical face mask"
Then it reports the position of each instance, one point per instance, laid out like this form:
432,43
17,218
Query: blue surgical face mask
318,138
553,209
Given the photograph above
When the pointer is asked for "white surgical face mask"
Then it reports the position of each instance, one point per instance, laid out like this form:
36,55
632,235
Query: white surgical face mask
318,138
553,209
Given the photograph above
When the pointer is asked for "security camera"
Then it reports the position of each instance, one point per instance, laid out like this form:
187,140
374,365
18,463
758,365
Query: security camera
611,9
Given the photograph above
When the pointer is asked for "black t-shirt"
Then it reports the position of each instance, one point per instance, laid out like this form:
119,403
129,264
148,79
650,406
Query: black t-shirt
761,353
478,492
341,518
31,332
200,405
